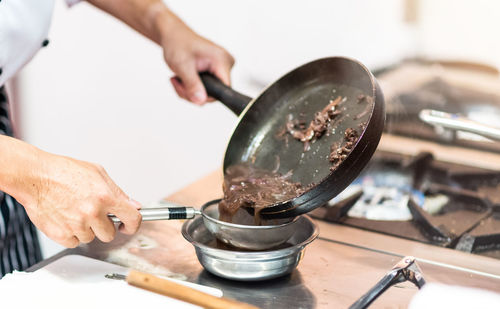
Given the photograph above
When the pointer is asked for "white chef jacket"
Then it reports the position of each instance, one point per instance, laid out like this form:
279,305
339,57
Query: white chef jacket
24,25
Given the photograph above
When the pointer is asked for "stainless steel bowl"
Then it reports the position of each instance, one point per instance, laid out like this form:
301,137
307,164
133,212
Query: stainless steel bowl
249,265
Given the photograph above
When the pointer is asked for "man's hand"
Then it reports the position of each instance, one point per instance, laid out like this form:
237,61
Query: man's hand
73,200
67,199
185,52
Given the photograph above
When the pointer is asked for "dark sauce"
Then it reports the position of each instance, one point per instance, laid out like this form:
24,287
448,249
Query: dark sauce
217,244
247,186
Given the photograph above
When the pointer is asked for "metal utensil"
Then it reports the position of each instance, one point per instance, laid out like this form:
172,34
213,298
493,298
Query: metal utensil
251,237
457,122
305,91
169,211
250,266
178,291
405,270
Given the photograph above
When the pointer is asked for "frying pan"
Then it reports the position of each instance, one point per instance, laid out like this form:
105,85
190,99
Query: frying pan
301,93
255,141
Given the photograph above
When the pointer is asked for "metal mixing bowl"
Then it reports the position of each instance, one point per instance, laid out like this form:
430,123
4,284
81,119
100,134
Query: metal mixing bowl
249,265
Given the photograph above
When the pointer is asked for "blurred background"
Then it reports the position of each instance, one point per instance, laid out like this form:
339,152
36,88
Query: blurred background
100,92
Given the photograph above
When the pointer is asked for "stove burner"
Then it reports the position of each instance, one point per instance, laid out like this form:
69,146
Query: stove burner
462,204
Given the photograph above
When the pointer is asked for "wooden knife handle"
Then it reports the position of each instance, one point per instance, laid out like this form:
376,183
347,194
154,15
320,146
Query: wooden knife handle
181,292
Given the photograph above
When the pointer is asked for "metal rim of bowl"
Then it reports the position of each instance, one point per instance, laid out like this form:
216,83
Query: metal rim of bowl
240,226
253,254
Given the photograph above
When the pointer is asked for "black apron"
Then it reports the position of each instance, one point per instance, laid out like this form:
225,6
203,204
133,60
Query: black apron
19,247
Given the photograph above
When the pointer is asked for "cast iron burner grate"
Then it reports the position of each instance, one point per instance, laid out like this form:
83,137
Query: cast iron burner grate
484,239
468,218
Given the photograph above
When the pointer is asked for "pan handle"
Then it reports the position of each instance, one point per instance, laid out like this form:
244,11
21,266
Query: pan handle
234,100
163,213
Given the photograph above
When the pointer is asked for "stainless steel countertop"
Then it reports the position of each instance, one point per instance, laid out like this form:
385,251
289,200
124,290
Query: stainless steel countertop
336,270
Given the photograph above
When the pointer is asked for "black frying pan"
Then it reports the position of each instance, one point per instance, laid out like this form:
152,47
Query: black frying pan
305,90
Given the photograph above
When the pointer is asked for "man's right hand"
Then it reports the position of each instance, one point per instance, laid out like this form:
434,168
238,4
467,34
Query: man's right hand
67,199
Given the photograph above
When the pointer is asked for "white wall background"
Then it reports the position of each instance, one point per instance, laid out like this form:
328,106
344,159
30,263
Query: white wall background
460,29
100,92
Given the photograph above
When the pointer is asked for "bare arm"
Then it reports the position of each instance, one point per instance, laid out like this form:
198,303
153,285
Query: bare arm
185,52
142,15
17,162
67,199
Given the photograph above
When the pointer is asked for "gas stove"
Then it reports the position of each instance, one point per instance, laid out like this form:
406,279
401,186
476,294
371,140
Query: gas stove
443,204
441,193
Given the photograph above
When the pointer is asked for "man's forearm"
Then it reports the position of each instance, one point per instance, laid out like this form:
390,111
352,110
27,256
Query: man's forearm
18,168
149,17
185,52
67,199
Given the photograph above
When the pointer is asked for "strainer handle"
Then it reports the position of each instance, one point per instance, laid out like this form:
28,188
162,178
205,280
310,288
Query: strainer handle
163,213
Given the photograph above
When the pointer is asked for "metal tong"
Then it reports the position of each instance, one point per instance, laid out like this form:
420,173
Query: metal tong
405,270
456,122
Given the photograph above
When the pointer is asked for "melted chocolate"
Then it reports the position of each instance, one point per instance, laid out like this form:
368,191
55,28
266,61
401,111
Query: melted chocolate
248,186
